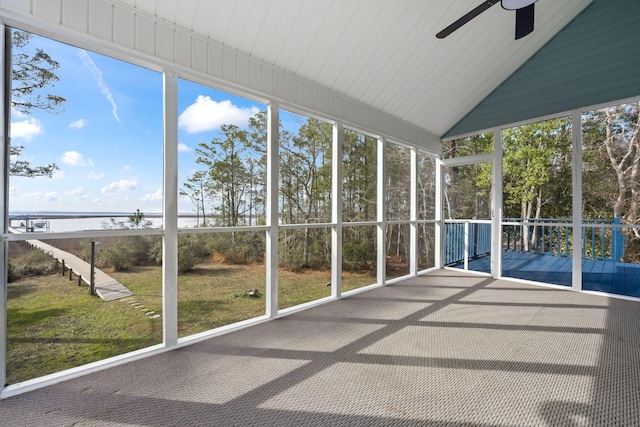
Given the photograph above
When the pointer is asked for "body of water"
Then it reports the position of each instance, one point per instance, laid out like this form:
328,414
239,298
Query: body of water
60,222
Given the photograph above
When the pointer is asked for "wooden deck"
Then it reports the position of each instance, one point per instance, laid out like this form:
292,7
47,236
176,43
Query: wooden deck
604,276
107,287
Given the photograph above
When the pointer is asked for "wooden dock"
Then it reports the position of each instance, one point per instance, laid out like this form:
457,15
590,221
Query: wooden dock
107,287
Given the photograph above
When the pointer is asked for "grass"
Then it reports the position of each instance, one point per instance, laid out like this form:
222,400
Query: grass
53,324
214,295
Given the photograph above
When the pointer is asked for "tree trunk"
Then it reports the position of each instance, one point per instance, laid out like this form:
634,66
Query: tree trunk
618,167
534,238
524,238
305,250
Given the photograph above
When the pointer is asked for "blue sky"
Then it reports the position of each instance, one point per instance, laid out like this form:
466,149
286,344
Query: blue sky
107,137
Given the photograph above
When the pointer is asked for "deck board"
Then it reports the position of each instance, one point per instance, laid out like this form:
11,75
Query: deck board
106,287
618,279
631,279
597,275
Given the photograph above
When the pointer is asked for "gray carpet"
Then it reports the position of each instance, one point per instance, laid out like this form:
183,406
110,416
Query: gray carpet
446,349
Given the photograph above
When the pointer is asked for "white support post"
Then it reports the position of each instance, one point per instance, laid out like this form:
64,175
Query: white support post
336,210
466,245
576,173
381,252
170,212
496,206
273,160
438,234
5,123
413,215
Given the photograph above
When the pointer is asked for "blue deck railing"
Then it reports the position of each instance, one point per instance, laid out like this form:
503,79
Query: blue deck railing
601,239
478,240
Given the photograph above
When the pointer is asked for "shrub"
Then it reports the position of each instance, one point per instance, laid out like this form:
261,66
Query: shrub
632,250
293,256
238,248
11,273
192,249
357,255
142,248
33,262
118,257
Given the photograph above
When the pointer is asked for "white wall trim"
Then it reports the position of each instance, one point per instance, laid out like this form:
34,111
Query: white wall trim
336,210
576,184
170,212
381,251
496,205
5,123
273,170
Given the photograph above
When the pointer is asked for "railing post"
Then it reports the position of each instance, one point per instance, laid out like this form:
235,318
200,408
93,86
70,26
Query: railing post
522,236
92,273
617,241
584,241
602,245
466,245
474,248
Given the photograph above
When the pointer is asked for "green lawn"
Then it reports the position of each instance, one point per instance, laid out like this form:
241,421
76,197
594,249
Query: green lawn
53,324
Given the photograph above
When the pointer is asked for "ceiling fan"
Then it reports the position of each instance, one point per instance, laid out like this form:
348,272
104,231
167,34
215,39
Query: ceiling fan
524,16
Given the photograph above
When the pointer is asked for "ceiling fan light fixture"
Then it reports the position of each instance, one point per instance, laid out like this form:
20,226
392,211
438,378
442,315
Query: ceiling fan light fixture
516,4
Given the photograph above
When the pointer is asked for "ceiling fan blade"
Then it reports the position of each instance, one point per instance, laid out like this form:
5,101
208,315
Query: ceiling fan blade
524,21
466,18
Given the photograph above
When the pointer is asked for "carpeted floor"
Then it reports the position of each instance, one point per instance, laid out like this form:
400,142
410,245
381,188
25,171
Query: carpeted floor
446,348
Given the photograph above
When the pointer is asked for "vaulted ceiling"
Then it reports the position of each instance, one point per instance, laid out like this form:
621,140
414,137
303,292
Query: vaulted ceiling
381,53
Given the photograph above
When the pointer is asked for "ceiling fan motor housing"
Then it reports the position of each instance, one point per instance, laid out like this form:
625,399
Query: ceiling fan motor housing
516,4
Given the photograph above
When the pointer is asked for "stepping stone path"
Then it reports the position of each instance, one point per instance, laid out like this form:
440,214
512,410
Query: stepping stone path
133,303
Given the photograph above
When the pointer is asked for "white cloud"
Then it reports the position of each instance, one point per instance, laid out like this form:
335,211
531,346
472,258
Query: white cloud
75,191
183,148
126,168
73,158
78,124
26,129
118,187
76,194
39,196
18,113
51,196
97,76
152,197
94,176
206,114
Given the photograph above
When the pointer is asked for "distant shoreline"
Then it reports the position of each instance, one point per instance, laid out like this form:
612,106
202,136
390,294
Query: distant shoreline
72,215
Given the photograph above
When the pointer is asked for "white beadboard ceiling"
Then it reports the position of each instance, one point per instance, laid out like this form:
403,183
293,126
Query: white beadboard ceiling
382,53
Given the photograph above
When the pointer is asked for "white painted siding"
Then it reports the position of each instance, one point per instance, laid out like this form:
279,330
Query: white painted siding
168,46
